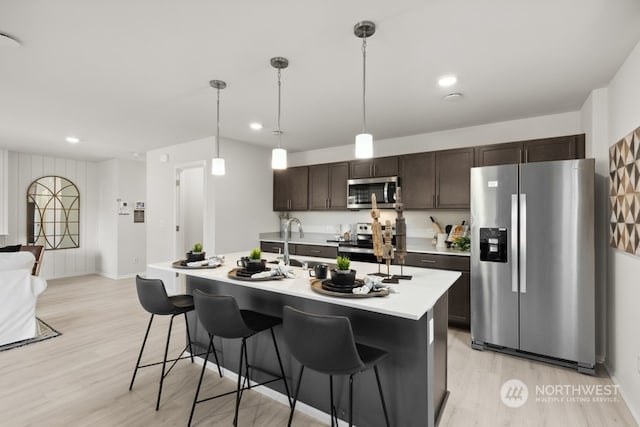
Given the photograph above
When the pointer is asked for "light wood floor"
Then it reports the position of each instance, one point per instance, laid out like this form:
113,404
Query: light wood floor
81,378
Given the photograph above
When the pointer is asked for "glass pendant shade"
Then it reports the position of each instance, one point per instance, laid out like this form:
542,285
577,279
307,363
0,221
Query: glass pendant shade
279,158
364,146
217,166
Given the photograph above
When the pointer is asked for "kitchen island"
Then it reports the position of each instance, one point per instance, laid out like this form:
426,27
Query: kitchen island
410,324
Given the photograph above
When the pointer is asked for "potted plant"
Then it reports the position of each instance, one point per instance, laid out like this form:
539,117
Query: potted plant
343,275
196,254
255,261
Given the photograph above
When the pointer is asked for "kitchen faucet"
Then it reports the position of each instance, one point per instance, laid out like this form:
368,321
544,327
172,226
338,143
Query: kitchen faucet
287,224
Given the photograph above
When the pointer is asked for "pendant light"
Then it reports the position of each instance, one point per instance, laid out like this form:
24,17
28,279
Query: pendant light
364,140
279,155
217,163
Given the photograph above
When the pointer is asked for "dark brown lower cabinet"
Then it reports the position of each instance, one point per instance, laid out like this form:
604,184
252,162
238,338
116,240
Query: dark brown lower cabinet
276,248
460,292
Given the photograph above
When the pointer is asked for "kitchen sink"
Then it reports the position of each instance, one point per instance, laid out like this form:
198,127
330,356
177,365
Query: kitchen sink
310,263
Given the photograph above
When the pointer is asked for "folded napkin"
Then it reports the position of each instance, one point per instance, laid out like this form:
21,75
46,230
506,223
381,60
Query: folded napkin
213,261
372,283
279,270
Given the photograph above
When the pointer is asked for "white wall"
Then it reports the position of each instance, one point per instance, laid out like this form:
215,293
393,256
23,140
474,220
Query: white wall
107,230
122,251
22,171
237,206
4,191
624,288
132,237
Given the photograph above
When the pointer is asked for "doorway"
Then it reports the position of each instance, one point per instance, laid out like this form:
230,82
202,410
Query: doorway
190,205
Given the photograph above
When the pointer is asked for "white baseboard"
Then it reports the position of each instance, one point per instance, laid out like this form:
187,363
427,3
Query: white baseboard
275,395
633,410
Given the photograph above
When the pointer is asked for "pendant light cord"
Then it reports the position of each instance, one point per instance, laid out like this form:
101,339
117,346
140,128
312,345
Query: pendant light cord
364,83
279,91
218,126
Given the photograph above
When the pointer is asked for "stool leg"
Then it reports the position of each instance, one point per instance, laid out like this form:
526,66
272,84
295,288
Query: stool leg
295,398
351,400
204,367
186,324
164,362
334,414
284,378
247,379
384,406
144,341
238,389
215,354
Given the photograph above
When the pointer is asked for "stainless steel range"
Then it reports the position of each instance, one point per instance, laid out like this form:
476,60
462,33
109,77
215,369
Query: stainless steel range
361,248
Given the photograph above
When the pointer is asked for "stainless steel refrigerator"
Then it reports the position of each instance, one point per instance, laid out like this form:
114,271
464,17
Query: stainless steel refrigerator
532,261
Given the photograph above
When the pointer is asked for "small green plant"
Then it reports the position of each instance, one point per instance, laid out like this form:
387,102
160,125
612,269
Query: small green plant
255,254
343,263
197,247
462,244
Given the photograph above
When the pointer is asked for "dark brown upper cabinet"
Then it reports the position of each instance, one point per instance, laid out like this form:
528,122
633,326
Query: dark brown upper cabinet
453,178
328,186
290,189
418,180
370,168
536,150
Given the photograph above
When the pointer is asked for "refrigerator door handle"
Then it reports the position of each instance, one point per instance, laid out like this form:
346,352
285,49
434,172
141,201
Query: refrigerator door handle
514,243
523,243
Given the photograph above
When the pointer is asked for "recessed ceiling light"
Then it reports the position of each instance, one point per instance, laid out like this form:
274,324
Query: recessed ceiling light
255,126
72,139
448,80
455,96
8,41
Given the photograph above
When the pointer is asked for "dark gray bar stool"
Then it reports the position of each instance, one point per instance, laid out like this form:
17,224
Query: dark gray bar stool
153,298
326,345
221,316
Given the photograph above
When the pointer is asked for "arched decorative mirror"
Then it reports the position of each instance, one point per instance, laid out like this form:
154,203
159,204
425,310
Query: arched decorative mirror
53,213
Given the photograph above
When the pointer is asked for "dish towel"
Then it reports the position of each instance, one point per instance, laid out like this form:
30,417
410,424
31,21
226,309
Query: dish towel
372,283
279,270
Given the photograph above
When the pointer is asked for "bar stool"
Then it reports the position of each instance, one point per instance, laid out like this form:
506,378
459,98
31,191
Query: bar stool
326,345
221,316
153,298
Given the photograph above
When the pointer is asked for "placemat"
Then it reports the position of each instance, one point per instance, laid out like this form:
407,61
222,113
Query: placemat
316,285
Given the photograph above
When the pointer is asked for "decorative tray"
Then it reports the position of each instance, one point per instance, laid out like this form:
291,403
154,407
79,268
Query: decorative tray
242,274
316,285
183,264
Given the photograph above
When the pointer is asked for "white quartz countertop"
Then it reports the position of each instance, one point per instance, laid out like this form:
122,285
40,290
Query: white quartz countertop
414,244
414,298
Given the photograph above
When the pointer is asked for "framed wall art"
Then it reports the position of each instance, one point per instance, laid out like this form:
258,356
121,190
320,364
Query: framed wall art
624,193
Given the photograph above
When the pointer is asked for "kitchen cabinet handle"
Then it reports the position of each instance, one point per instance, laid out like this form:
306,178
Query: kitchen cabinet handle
371,169
514,243
438,200
523,243
328,203
428,261
314,251
374,169
275,248
433,200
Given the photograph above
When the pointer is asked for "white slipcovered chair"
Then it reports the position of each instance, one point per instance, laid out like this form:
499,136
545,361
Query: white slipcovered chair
19,290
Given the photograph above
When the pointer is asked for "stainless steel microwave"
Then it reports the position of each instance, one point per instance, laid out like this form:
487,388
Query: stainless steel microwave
359,192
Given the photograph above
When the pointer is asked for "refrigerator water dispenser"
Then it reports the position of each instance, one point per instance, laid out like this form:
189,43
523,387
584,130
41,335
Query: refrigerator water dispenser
493,244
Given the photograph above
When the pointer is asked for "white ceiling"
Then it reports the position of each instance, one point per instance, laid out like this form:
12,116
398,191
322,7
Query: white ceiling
128,76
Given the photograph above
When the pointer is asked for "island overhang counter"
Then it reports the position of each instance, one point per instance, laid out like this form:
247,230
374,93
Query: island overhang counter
411,324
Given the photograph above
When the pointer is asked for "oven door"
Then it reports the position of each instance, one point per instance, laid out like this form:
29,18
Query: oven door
360,191
357,254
